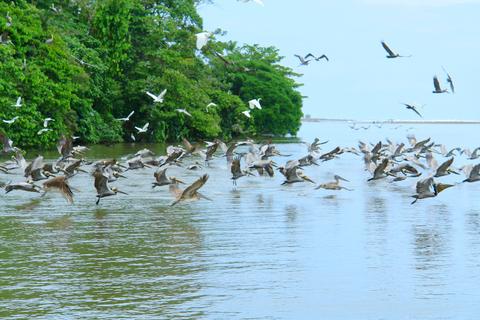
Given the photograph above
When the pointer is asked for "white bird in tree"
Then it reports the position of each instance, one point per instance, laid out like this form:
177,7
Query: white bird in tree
132,137
159,98
46,121
18,104
127,118
211,104
255,103
11,120
246,113
202,39
9,20
49,40
42,131
184,112
143,129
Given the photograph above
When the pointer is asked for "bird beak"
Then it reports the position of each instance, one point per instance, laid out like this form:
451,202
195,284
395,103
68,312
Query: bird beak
122,192
179,181
343,179
442,186
308,179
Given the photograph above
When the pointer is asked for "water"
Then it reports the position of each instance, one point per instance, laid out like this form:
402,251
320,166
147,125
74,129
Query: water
261,251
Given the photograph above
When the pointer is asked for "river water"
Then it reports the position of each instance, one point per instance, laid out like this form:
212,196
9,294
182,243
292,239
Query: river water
258,251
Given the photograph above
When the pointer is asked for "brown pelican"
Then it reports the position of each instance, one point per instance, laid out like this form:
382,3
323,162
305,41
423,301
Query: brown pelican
162,179
191,192
236,170
304,61
437,87
59,184
413,108
331,155
333,185
262,166
474,174
317,58
73,168
444,168
65,147
428,188
24,186
293,174
102,187
35,170
379,172
391,54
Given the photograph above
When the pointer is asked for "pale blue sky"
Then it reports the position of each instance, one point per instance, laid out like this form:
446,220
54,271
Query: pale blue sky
359,82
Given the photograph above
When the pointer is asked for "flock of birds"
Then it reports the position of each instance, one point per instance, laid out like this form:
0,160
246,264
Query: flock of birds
382,160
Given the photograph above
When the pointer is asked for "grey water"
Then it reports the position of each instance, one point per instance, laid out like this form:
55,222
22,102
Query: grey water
257,251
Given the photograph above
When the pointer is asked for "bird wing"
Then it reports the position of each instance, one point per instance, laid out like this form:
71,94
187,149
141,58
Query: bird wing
444,166
387,48
154,97
475,172
416,111
160,175
130,114
379,170
423,186
235,167
436,84
162,94
300,58
145,126
101,182
192,189
60,183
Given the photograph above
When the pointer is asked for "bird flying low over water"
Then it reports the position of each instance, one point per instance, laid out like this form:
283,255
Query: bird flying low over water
428,188
161,179
334,185
474,174
159,98
436,85
102,187
191,192
391,54
413,108
60,184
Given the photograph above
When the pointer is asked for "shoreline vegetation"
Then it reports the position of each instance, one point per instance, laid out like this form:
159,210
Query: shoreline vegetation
88,65
391,121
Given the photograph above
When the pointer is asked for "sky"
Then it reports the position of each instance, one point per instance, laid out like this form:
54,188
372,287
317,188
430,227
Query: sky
359,82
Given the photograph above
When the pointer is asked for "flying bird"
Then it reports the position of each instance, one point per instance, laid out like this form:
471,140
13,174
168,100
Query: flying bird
159,98
127,118
449,80
60,184
413,108
255,103
246,113
46,121
11,120
437,87
211,104
202,39
43,130
191,192
102,187
391,54
428,188
143,129
184,112
18,103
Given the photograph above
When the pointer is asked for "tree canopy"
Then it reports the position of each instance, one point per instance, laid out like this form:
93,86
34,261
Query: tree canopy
86,63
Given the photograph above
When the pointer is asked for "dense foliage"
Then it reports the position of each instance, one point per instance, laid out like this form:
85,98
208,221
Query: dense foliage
85,63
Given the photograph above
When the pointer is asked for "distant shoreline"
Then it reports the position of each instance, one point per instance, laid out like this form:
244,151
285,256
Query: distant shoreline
391,121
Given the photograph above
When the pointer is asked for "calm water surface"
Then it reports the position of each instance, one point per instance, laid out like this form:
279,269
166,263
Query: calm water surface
260,251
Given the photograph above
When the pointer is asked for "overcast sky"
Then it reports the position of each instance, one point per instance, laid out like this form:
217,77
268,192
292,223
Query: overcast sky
359,82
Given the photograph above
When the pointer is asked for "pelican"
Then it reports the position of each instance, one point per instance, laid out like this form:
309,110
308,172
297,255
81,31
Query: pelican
304,61
143,129
379,171
191,192
183,111
246,113
35,170
292,173
59,184
437,87
333,185
391,54
127,118
18,103
11,120
444,168
162,179
102,187
413,108
159,98
202,39
255,103
236,171
7,144
449,80
474,174
428,188
263,165
24,186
